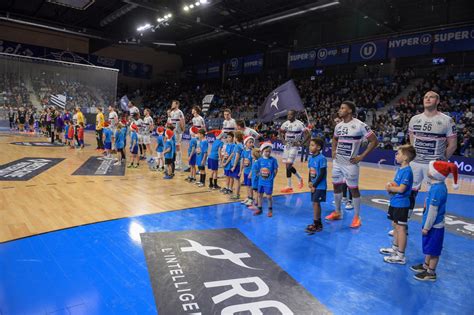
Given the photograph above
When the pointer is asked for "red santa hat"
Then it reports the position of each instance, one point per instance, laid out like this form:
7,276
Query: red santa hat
160,130
439,170
169,134
193,130
217,133
134,127
248,138
265,145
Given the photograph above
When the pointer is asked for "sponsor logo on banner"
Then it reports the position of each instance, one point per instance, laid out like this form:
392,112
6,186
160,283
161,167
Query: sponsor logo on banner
332,55
368,50
100,166
38,144
220,272
304,59
26,168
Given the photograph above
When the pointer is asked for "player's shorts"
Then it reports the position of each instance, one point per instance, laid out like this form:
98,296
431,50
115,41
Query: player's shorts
168,161
179,138
267,190
235,173
420,174
319,195
201,168
433,242
140,139
345,173
212,164
108,145
134,150
247,180
192,160
81,142
255,183
398,215
227,172
289,154
146,139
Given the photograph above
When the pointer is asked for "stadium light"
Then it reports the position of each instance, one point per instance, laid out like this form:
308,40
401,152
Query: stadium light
197,3
144,27
191,6
203,1
186,8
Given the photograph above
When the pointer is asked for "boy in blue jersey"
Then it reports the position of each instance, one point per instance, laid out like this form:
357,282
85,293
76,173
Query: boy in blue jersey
168,153
247,168
226,162
256,154
192,154
160,147
433,218
134,146
66,131
107,139
317,182
235,161
173,142
214,157
120,144
267,167
202,157
398,209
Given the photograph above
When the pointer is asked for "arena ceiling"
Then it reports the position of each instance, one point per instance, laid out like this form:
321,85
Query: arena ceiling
234,25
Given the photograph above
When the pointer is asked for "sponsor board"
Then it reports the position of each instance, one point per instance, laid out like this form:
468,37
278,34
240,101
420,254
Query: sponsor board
220,272
26,168
100,166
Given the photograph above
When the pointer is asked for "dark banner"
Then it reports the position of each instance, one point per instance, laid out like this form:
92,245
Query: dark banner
137,70
106,62
457,39
38,144
21,49
26,168
333,55
100,166
410,45
302,59
213,70
253,64
201,72
369,51
234,66
220,272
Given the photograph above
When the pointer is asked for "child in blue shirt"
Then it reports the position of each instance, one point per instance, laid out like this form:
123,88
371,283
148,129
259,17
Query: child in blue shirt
107,139
120,143
134,146
267,167
317,165
433,218
214,157
226,162
192,154
235,162
168,153
249,142
202,157
66,131
256,154
160,147
398,209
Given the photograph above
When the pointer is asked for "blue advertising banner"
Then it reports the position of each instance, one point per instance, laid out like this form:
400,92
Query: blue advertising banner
201,71
301,59
333,55
21,49
106,62
253,63
457,39
410,45
234,66
369,51
213,70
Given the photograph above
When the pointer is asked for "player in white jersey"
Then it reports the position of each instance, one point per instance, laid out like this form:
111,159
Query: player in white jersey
228,124
177,119
346,142
113,121
292,130
197,120
132,109
148,127
247,131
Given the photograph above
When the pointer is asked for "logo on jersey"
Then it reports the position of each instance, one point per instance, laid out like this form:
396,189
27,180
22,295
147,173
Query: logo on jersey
265,173
26,168
312,173
246,162
100,166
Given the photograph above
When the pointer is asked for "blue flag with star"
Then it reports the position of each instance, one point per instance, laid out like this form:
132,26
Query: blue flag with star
280,101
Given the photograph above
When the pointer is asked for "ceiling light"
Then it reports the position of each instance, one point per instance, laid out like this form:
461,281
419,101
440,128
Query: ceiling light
191,6
197,3
186,8
203,1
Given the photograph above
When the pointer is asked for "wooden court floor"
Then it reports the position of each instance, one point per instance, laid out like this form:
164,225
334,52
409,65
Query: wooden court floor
56,200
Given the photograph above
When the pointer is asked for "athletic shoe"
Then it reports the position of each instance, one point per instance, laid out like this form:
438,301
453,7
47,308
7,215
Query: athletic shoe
349,205
395,259
387,251
227,192
197,183
356,222
211,186
334,216
200,185
418,268
129,165
390,233
258,212
136,166
216,187
223,189
177,167
118,163
344,199
287,190
235,197
249,202
313,228
188,179
425,276
187,170
270,214
244,201
192,180
300,183
167,177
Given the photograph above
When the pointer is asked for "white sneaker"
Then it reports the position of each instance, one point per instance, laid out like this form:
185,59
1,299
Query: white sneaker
390,233
349,206
244,201
395,259
118,163
387,251
344,199
249,202
200,185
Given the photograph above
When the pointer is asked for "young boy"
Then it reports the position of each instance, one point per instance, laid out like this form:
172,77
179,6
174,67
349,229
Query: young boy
433,218
134,145
168,153
214,157
70,135
107,139
173,142
160,147
192,154
235,170
317,166
119,144
267,167
80,135
226,159
400,190
247,168
202,157
66,136
256,154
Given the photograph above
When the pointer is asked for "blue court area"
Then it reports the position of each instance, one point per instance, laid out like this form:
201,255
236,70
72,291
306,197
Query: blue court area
101,269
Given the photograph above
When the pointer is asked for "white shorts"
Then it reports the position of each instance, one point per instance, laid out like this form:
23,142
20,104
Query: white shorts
179,138
140,139
420,174
159,155
289,154
146,139
345,173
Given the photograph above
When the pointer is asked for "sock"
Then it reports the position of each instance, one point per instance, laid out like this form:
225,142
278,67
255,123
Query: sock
338,199
356,204
259,208
289,181
297,175
203,178
215,182
400,254
431,271
210,182
270,209
395,247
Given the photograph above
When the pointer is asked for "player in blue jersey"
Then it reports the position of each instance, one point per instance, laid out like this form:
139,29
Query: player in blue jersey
168,153
226,162
235,161
246,168
107,139
267,167
134,145
400,190
317,182
214,157
192,154
201,157
160,147
256,154
120,144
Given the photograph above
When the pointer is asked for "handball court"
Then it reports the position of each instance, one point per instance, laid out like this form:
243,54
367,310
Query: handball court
70,244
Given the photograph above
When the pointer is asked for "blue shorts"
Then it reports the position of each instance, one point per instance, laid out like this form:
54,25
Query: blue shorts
81,142
212,164
134,150
433,242
192,160
267,190
247,180
319,195
227,172
254,182
235,173
108,145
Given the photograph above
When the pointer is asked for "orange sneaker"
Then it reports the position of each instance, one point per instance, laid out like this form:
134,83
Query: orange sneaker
356,222
270,214
300,183
287,190
334,216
